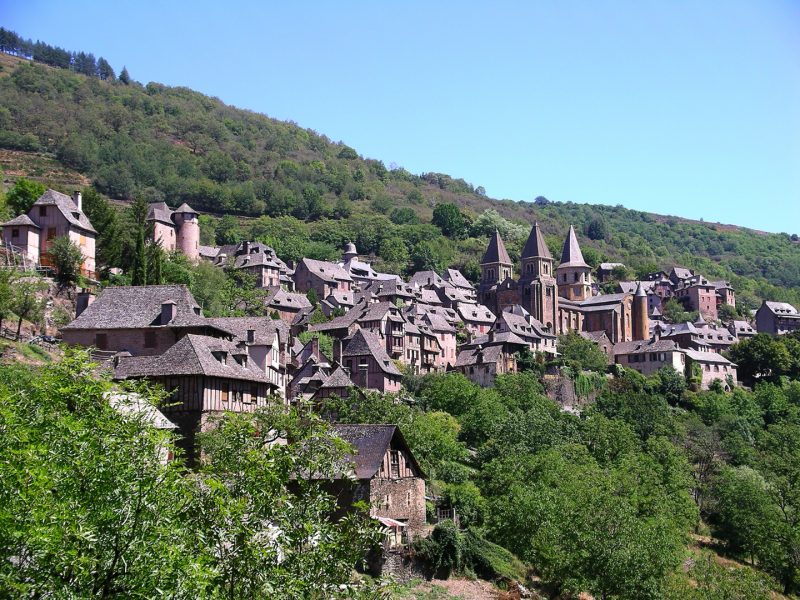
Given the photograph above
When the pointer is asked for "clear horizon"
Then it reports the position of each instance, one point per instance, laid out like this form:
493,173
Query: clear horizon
679,109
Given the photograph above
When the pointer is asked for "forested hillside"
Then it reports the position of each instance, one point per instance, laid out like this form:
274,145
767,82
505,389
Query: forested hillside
307,195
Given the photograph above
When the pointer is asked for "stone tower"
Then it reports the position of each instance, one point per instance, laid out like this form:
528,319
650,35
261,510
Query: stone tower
539,290
573,274
641,322
350,252
495,268
188,231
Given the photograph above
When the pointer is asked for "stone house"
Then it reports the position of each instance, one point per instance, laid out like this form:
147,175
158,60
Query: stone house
477,319
370,367
777,318
482,364
515,319
52,216
741,329
321,276
387,476
203,376
140,320
648,356
711,366
288,305
697,293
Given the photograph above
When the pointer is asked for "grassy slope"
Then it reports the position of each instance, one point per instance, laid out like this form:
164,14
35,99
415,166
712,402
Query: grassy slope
176,142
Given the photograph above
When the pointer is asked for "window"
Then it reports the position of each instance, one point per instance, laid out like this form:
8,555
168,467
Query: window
101,341
149,339
42,211
51,233
15,233
253,392
394,471
224,391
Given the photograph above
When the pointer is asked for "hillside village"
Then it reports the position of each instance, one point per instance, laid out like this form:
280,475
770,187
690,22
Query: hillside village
377,329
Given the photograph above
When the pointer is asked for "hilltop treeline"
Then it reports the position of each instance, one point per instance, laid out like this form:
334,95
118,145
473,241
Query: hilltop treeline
80,62
178,145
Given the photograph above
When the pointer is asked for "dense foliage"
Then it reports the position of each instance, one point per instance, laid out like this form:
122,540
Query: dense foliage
89,507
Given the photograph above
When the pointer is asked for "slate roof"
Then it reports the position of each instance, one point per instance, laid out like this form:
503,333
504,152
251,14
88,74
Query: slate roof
476,313
427,278
266,329
571,255
781,308
135,307
367,343
630,287
438,323
477,355
280,298
496,252
496,339
68,209
639,346
610,266
20,221
371,443
710,357
325,270
131,403
536,246
338,379
456,278
185,208
159,211
192,355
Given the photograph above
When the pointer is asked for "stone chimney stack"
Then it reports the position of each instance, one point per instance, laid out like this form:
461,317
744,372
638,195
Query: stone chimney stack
82,302
77,198
251,336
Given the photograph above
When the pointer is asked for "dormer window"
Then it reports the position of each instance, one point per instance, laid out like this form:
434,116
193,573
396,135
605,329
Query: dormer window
220,356
42,211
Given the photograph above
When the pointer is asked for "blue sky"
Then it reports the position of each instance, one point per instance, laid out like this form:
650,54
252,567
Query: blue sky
685,108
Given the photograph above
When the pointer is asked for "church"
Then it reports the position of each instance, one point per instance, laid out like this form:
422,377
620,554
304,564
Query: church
561,298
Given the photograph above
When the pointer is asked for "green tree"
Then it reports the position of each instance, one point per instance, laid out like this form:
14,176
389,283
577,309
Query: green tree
27,304
106,221
67,260
597,229
582,353
674,312
23,194
124,76
8,278
760,357
447,217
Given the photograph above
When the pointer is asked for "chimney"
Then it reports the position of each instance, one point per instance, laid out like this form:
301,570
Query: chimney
251,336
77,198
82,302
315,346
168,310
246,247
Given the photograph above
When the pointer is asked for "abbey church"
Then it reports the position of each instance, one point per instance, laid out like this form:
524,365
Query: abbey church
561,298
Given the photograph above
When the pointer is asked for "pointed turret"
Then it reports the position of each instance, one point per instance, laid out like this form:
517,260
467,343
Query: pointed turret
535,246
496,252
571,254
573,274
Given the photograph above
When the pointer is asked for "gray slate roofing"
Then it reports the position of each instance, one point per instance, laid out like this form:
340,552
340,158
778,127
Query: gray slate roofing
281,299
135,307
781,308
67,207
325,270
159,211
367,343
476,355
337,379
496,252
191,355
709,357
571,255
456,278
185,208
535,246
630,287
371,443
266,329
475,313
425,278
639,346
20,221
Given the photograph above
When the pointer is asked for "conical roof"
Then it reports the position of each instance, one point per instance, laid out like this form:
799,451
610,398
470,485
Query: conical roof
496,252
640,290
571,255
535,246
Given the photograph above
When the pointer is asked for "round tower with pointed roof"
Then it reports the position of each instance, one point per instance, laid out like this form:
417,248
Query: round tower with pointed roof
641,322
188,231
350,252
496,265
574,276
